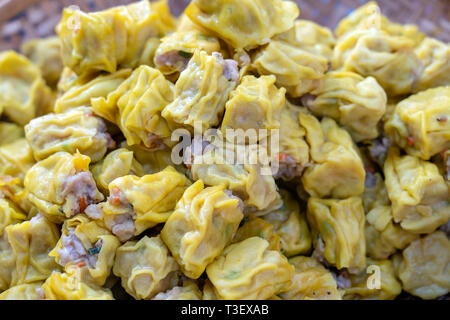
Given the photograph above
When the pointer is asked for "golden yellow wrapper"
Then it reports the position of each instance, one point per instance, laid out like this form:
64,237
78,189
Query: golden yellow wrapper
9,214
257,227
16,159
145,267
421,123
340,225
201,91
76,130
364,285
113,38
23,93
189,291
296,69
62,286
243,23
418,192
203,223
356,103
136,106
61,186
27,291
337,170
45,53
311,281
80,92
424,266
10,132
249,270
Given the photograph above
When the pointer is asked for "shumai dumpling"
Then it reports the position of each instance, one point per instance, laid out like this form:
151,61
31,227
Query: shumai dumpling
356,103
293,151
10,132
418,192
188,291
253,226
145,267
86,249
364,285
291,226
62,186
296,68
372,52
45,53
421,123
203,223
202,91
118,163
30,243
26,291
249,270
23,93
82,90
252,182
435,57
177,48
116,37
75,130
310,36
338,230
63,286
256,104
369,15
311,281
136,106
16,159
424,268
337,170
138,203
243,23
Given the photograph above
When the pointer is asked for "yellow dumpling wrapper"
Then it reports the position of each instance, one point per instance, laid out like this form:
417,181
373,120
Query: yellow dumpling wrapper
136,106
177,48
82,90
256,103
62,286
16,159
189,291
243,23
290,225
136,203
23,93
26,291
201,91
30,242
86,250
145,267
421,123
10,132
62,186
118,163
9,214
203,223
424,267
418,192
45,53
296,69
389,286
337,170
310,36
311,281
356,103
116,37
71,131
339,224
249,270
257,227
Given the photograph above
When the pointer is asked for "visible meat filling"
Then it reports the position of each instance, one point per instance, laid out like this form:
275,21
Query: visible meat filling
288,168
174,59
232,196
102,134
379,148
74,252
79,191
230,67
342,279
121,225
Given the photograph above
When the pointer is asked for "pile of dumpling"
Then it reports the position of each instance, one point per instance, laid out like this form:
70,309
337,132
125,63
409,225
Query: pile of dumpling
92,203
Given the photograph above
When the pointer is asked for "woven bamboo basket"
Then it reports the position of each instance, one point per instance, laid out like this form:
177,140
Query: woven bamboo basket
22,20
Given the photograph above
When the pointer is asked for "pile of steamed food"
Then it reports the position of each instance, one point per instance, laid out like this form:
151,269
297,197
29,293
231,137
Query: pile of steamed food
92,202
